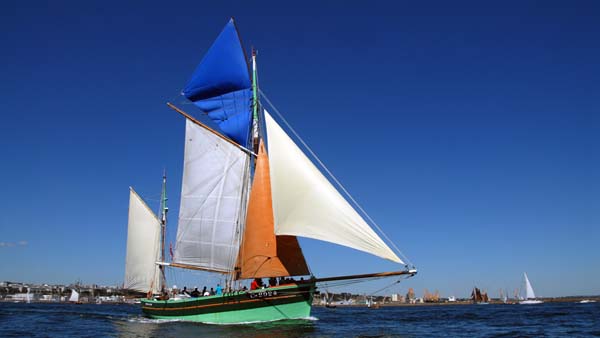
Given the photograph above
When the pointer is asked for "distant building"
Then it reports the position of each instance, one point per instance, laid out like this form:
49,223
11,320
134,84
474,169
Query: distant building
21,297
410,296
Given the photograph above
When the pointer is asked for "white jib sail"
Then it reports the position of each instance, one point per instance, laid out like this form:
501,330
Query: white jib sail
529,294
211,198
306,204
143,245
74,296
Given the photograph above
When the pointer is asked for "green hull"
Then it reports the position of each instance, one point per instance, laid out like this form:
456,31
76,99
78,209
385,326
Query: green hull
279,303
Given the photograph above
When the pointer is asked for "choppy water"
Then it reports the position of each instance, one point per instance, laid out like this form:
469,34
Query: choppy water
551,320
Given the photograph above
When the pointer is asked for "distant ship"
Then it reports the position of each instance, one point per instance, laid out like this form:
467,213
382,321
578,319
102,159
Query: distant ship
479,297
529,295
247,192
74,298
504,296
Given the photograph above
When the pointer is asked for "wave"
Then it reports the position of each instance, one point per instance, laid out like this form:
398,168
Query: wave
286,320
145,320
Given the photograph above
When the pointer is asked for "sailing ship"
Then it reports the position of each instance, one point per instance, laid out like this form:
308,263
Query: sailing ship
529,295
479,297
248,191
327,300
74,298
504,296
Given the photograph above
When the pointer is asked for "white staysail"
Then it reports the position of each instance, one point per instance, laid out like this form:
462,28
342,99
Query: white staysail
143,247
306,204
211,198
74,296
529,294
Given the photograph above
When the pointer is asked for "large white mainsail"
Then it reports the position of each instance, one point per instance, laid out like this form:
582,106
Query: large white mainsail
143,245
211,198
306,204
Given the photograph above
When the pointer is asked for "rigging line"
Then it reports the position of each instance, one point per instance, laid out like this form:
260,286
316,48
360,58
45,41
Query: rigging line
339,284
408,261
386,287
346,283
349,282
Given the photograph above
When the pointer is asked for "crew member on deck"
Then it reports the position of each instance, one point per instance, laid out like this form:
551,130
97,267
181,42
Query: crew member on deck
164,294
254,285
195,293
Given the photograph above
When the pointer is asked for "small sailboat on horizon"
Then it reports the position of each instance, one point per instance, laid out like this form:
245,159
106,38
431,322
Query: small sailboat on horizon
529,296
74,298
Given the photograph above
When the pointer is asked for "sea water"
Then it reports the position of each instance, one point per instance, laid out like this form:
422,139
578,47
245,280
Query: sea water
103,320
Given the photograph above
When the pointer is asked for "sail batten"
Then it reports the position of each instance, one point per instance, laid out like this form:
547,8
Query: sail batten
211,198
306,204
143,247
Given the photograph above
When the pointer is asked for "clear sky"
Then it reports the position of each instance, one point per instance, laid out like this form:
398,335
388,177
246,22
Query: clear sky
468,130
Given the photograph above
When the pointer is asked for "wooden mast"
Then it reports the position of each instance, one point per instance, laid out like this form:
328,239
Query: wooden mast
163,223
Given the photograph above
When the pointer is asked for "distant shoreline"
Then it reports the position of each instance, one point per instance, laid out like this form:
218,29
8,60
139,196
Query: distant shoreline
395,304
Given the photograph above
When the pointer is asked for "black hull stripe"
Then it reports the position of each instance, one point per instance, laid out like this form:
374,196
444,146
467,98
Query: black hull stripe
210,305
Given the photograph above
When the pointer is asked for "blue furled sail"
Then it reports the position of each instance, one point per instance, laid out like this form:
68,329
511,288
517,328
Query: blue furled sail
221,86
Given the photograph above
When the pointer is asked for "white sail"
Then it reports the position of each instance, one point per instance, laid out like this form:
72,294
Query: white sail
529,294
74,296
211,198
143,247
306,204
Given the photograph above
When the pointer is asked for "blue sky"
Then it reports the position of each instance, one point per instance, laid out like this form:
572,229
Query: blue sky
468,131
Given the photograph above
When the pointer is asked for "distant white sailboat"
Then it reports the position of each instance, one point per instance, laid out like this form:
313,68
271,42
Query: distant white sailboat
504,296
74,296
529,297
